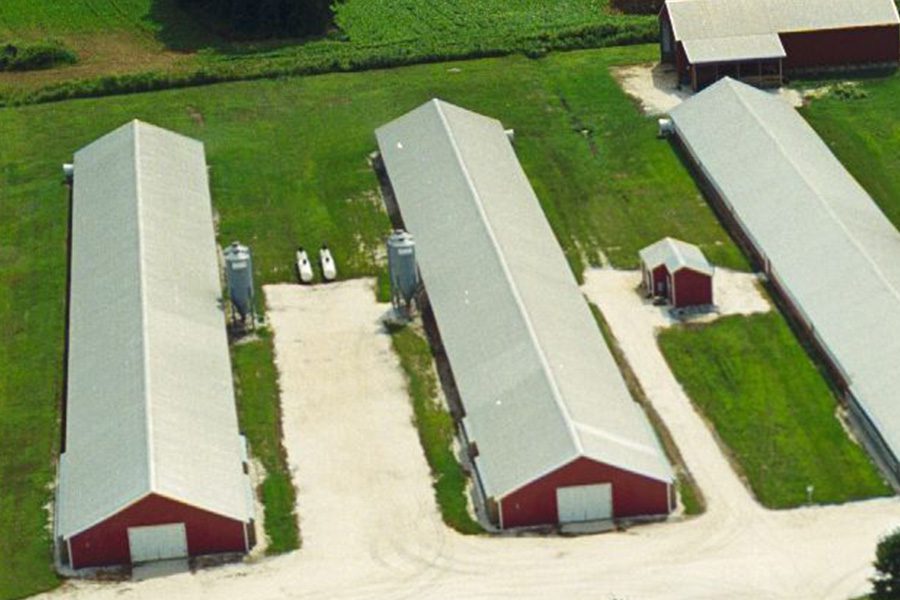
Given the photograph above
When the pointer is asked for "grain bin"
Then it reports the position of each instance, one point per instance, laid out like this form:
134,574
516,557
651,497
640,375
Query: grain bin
404,275
239,275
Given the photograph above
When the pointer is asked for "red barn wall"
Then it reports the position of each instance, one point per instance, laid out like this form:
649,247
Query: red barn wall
106,543
681,62
692,289
660,275
633,495
840,47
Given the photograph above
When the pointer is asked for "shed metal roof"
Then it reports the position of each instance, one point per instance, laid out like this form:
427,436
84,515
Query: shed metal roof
736,29
732,49
538,382
150,404
834,252
676,255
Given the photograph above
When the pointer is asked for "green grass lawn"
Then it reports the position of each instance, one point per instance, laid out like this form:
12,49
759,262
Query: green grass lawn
288,166
772,409
436,429
865,136
256,384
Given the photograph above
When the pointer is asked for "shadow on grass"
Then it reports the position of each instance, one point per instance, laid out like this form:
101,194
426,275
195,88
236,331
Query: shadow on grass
868,73
192,28
180,29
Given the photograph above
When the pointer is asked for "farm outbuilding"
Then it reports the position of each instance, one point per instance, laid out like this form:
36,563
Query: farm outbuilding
759,41
553,431
678,272
152,465
831,255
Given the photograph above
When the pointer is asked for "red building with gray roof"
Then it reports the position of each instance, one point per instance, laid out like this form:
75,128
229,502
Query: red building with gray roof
759,41
554,433
153,465
678,272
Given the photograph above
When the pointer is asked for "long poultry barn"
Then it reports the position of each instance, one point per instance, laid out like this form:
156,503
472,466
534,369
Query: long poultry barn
759,41
153,465
829,252
556,435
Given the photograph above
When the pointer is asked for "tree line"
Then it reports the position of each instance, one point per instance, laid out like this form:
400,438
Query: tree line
268,18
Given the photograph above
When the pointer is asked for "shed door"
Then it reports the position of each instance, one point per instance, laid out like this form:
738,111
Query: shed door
157,542
584,503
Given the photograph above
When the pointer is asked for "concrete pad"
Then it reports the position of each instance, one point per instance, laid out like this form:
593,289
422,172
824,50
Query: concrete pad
159,568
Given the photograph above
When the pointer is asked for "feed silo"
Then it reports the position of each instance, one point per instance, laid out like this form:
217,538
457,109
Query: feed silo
239,276
404,275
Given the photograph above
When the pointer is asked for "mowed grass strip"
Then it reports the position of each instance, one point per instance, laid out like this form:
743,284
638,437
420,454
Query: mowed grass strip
32,319
773,410
288,166
436,430
259,410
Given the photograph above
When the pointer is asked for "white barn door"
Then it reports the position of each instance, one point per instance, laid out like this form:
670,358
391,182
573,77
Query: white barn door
157,542
584,503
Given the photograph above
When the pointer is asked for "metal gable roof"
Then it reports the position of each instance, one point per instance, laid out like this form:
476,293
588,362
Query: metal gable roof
539,384
150,404
676,255
834,252
719,30
735,48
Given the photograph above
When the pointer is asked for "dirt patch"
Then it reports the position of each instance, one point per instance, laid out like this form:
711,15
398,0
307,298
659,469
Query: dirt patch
655,88
111,53
195,115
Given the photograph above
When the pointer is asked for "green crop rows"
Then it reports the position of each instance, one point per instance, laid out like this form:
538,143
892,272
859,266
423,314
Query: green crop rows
386,21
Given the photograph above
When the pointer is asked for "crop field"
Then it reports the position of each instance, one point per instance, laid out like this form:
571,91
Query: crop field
364,21
383,21
154,44
288,164
772,409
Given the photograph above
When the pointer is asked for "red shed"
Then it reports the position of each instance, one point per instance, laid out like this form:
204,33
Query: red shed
758,42
678,272
553,432
153,465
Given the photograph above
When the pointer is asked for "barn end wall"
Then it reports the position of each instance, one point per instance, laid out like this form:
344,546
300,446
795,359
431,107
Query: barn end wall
106,544
692,289
841,47
633,495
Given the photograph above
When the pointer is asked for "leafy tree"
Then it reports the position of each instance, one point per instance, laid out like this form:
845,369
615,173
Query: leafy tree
269,18
887,567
